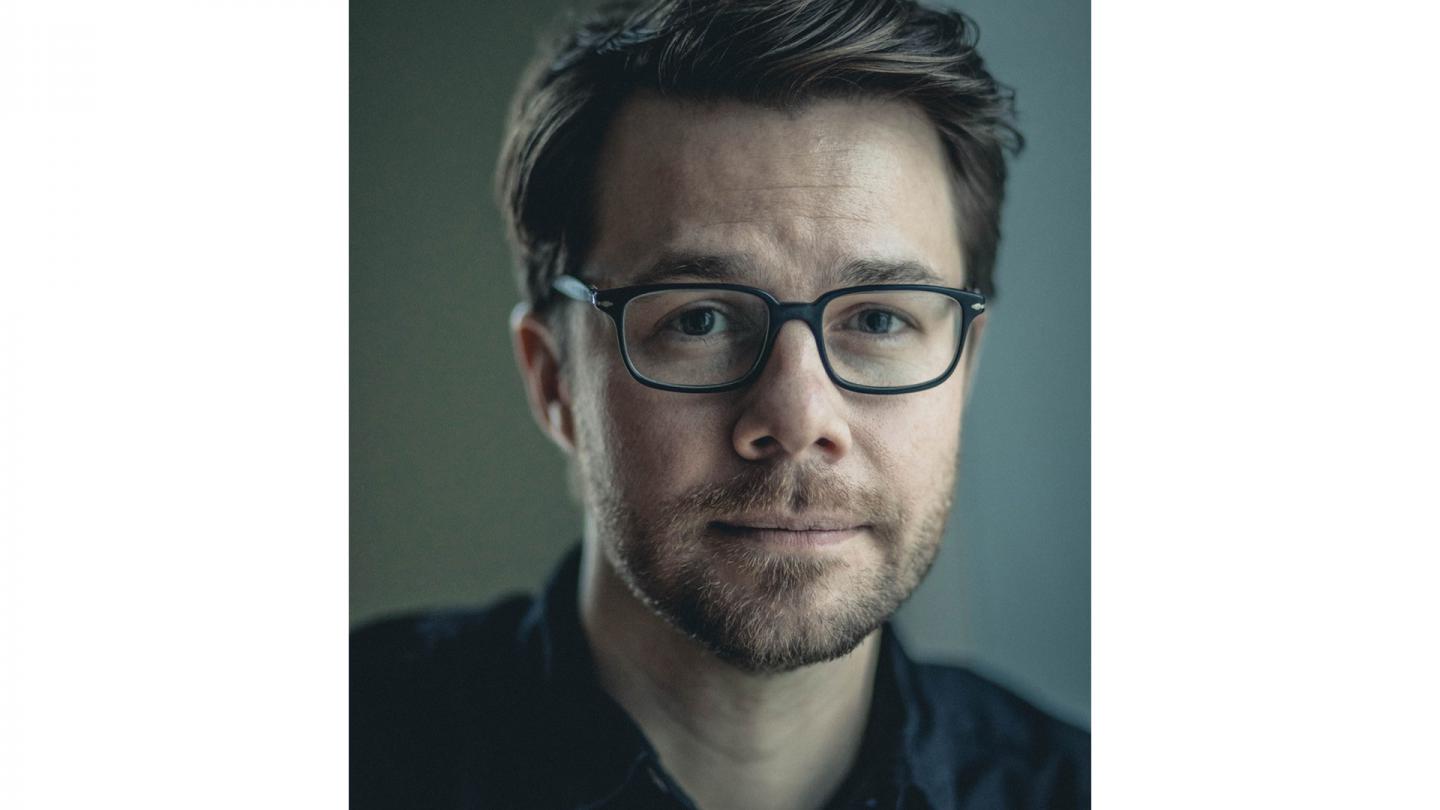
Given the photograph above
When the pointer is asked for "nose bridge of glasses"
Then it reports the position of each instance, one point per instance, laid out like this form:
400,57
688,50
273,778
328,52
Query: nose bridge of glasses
809,315
797,311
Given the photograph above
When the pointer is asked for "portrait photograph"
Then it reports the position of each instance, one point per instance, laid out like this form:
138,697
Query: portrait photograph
797,148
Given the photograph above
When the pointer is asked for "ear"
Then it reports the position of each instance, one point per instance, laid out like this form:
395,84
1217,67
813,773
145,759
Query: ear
537,353
971,358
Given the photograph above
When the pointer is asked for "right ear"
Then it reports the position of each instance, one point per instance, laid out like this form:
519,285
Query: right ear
537,353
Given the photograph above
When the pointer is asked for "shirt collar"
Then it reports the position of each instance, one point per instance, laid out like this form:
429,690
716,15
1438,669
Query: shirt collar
598,751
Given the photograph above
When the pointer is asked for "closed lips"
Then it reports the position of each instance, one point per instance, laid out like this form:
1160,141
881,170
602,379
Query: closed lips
791,524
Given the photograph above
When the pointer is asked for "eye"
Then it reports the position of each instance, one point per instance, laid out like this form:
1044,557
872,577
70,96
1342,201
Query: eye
699,322
877,322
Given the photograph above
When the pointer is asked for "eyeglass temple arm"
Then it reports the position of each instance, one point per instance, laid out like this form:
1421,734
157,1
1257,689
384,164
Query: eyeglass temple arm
572,287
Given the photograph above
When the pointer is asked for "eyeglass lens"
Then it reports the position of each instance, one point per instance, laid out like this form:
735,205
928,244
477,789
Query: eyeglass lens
880,339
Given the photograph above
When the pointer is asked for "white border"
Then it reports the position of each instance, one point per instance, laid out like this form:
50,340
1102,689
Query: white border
175,434
1266,404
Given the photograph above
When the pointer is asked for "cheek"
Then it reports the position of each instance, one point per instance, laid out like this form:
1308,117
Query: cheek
649,442
914,441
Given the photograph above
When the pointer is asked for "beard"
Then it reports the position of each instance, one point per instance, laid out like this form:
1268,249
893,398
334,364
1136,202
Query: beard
765,610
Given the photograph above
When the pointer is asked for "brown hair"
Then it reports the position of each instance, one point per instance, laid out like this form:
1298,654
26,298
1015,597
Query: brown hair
777,53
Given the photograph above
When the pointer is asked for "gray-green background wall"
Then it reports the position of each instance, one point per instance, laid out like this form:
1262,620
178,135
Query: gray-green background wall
456,498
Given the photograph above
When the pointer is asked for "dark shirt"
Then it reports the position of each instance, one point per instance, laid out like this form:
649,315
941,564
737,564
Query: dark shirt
501,708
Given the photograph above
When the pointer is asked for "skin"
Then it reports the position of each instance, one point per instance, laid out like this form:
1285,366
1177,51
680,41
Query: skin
797,195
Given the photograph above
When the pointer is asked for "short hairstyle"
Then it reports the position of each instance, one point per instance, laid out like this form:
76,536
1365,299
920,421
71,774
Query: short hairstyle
776,53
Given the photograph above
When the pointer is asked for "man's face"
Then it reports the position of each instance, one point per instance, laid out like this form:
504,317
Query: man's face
782,523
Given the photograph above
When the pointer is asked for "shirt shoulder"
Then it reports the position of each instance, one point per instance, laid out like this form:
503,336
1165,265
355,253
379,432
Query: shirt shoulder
429,643
420,686
437,660
1000,744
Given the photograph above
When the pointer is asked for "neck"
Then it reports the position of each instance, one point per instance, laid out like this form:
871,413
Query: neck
729,738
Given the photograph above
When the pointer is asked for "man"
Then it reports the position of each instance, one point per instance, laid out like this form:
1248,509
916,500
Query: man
756,239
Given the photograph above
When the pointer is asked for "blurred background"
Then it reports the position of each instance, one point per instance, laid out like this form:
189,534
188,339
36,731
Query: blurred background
456,498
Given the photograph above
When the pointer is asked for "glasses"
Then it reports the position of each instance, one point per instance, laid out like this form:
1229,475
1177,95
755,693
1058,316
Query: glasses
703,338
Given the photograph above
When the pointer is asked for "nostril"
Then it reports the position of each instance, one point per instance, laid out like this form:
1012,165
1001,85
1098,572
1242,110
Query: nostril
764,442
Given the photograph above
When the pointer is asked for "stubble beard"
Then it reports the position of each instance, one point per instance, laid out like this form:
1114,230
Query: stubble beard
761,611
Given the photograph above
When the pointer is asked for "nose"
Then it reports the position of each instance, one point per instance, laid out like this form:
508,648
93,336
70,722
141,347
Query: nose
793,410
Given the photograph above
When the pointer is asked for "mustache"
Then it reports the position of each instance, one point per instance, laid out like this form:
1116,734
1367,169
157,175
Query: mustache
786,488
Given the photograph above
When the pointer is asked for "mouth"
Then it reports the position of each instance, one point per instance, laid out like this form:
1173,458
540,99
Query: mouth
790,531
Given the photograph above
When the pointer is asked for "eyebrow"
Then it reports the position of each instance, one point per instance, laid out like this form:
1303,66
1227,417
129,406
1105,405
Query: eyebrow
706,267
731,268
884,271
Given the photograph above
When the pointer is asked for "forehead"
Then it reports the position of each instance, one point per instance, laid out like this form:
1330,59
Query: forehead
785,199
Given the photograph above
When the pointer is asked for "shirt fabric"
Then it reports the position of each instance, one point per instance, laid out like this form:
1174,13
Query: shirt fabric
501,708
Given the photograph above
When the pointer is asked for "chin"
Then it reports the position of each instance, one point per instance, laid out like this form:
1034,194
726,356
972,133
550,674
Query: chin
768,609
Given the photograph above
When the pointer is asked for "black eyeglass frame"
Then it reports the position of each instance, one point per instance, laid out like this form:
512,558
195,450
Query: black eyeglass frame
612,302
